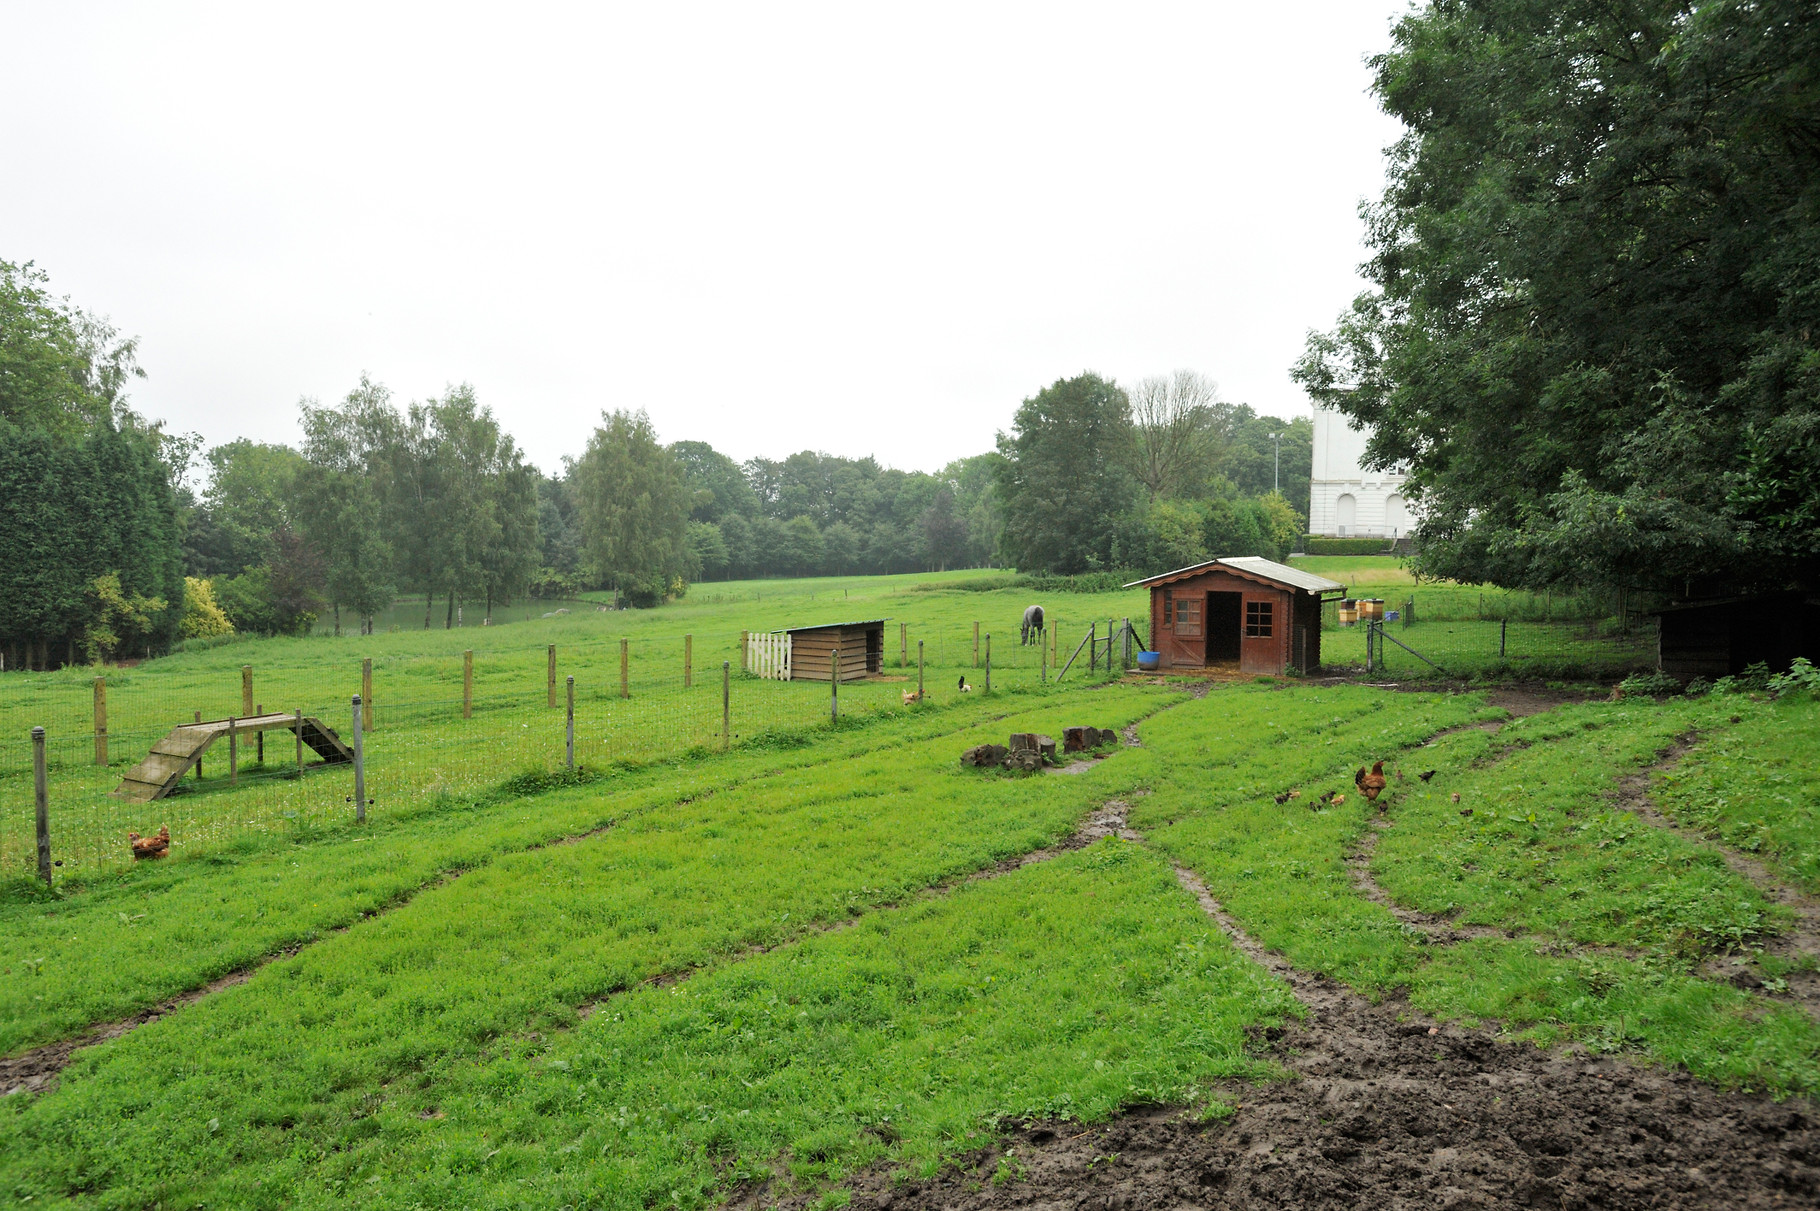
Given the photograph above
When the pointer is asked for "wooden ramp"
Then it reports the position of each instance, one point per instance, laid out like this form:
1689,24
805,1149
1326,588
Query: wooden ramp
176,754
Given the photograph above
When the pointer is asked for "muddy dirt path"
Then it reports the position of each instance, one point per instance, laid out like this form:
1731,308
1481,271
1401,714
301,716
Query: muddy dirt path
1392,1110
1799,941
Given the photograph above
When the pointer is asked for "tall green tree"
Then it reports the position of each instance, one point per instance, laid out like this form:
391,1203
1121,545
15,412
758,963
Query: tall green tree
634,509
341,497
1066,479
1590,333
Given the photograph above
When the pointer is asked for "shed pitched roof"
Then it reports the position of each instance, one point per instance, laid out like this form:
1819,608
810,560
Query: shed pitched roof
1254,566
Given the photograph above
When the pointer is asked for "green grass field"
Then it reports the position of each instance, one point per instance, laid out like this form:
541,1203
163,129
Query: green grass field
683,968
423,750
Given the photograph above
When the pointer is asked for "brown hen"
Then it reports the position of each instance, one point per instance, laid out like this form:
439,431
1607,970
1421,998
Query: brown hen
150,847
1372,784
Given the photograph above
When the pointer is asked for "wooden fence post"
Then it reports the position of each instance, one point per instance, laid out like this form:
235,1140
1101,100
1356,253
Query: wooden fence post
41,796
367,713
246,689
625,668
101,721
551,679
467,684
360,766
688,661
903,644
726,704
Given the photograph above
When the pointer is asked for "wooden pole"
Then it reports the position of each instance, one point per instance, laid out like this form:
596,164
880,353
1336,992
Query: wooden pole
41,797
360,767
551,679
726,704
688,661
101,721
233,752
368,712
571,725
467,684
246,689
625,668
976,645
834,686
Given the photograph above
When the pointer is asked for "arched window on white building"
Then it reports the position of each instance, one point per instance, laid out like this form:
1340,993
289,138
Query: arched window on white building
1396,516
1346,514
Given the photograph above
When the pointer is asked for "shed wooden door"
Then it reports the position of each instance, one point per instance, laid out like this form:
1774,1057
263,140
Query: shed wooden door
1261,642
1186,638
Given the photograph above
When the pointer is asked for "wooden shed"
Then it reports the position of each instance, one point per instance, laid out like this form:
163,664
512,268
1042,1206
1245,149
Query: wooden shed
1245,613
809,651
1722,637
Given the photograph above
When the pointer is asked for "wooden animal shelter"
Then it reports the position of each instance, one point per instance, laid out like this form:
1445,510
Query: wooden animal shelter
807,653
1721,637
1243,613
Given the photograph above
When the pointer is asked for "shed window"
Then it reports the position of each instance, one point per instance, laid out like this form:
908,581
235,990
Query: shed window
1168,613
1188,617
1258,619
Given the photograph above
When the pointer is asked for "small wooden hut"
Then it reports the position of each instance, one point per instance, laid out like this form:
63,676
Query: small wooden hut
1722,637
807,653
1245,613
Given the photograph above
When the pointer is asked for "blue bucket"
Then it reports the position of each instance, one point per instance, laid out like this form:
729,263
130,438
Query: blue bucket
1149,661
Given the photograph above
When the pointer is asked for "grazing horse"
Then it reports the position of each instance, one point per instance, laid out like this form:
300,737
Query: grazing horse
1033,626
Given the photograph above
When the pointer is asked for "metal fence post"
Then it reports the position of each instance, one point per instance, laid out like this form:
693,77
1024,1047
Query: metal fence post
551,678
300,742
360,767
726,704
834,686
233,752
976,645
1093,647
467,684
368,714
688,661
41,792
1503,627
919,668
988,688
571,744
1042,648
625,668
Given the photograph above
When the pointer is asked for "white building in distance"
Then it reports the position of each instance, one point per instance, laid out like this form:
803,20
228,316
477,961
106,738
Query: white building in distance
1344,499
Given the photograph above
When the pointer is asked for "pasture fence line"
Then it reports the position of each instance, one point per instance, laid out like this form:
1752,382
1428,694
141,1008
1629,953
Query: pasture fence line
422,733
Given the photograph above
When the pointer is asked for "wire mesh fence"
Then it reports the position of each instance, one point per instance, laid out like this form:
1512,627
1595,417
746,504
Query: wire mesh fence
439,727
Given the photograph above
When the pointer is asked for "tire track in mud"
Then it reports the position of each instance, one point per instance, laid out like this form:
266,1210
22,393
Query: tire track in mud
1798,943
1389,1108
35,1070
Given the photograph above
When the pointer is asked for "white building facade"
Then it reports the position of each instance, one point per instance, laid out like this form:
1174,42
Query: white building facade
1344,499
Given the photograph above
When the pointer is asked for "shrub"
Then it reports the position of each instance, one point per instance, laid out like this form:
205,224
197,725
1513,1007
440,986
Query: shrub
1802,677
1313,545
202,616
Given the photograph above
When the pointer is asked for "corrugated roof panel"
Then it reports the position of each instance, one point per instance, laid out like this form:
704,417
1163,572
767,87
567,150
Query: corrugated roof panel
1259,566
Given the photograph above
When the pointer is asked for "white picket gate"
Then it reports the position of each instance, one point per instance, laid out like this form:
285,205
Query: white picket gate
768,654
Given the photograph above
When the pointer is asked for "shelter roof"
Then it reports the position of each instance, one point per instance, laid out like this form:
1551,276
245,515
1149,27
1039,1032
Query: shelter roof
1253,566
829,626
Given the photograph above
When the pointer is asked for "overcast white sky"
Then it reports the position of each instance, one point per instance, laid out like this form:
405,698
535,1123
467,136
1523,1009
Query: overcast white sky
867,229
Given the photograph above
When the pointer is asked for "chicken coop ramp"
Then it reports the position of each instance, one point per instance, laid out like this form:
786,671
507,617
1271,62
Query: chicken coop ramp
180,750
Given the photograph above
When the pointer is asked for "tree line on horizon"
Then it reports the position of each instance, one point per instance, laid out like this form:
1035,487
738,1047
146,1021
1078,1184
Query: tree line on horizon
121,556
